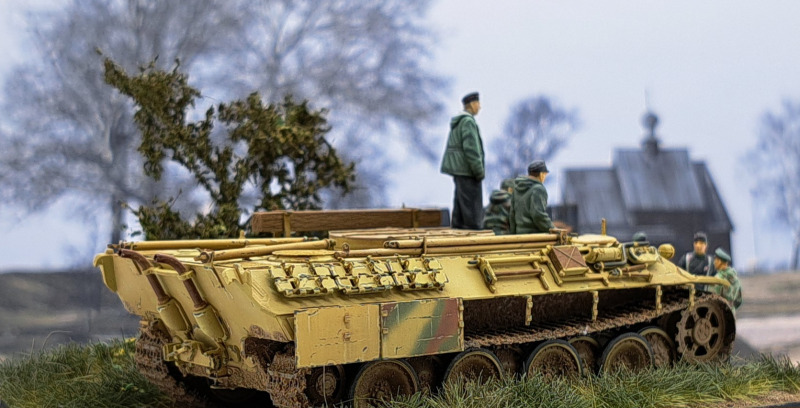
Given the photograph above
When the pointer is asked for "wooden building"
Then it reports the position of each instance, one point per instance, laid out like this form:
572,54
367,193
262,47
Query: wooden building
662,192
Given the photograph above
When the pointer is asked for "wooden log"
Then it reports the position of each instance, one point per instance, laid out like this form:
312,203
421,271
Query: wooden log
329,220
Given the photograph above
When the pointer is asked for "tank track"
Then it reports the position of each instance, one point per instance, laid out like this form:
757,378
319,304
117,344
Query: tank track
150,363
613,319
287,383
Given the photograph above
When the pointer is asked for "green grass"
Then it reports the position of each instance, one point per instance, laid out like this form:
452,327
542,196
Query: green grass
104,375
98,375
681,386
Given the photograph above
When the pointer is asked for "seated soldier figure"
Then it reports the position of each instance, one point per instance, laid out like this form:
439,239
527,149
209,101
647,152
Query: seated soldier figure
495,215
733,294
529,202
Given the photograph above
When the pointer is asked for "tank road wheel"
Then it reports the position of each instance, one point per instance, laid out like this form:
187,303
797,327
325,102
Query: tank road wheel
588,350
474,365
706,332
554,358
325,385
628,351
664,351
379,381
149,360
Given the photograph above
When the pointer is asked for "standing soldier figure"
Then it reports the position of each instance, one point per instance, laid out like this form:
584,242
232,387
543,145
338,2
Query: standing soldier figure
698,263
464,160
733,294
529,202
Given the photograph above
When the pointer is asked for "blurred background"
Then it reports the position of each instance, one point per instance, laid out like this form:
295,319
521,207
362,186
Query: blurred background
570,82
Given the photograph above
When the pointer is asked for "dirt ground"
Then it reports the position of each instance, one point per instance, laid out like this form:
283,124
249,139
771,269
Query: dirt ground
769,319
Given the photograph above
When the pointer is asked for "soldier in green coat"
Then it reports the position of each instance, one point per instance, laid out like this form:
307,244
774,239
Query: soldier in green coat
529,202
722,263
464,160
495,217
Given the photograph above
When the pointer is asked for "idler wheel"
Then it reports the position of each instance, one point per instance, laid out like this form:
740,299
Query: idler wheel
553,359
705,333
477,365
588,350
378,382
325,385
628,351
664,352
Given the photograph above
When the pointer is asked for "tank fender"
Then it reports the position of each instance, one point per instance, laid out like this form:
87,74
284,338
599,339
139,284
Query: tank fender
105,262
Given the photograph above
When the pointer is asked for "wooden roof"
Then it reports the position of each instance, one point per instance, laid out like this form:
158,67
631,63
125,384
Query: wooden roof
663,181
638,181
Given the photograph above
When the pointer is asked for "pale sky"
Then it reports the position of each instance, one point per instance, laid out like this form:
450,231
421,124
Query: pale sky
710,68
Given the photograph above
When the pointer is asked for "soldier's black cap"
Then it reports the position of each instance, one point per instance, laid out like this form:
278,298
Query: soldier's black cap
722,255
537,166
700,236
640,236
499,197
469,98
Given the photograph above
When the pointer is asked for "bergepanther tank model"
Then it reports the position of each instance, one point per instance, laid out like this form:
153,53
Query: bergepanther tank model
367,315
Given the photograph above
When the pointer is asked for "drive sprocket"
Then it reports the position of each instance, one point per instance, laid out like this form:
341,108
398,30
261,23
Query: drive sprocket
706,331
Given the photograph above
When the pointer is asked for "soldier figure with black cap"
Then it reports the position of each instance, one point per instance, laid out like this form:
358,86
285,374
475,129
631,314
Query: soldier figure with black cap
698,262
464,160
733,294
529,202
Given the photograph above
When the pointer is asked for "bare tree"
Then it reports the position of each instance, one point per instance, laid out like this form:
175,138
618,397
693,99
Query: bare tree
537,128
366,62
67,133
776,165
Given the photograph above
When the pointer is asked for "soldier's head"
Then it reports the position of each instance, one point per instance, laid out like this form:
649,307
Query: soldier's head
472,103
499,197
537,170
640,236
507,185
721,259
700,243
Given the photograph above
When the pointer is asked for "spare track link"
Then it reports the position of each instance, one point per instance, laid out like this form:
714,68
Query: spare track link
622,317
287,383
149,361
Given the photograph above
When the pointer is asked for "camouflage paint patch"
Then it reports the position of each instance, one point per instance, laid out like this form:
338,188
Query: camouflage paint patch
421,327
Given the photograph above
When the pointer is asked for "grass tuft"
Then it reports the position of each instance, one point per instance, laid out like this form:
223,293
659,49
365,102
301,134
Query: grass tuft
97,375
681,386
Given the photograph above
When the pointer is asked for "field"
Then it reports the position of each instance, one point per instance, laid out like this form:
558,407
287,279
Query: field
40,310
769,319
